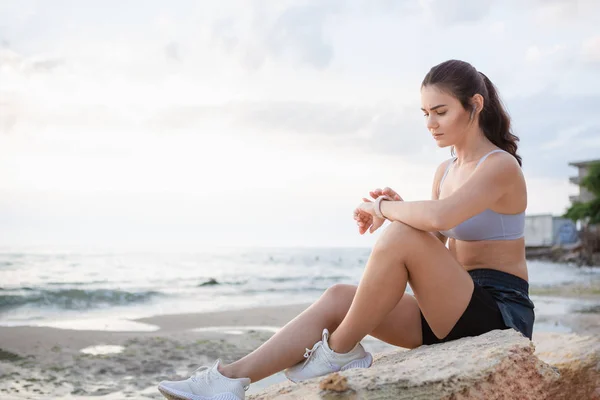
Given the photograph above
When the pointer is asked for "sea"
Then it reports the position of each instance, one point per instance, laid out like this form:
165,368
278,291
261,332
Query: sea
107,290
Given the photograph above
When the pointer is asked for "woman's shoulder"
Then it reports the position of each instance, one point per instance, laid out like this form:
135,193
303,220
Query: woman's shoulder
441,168
439,174
500,168
499,161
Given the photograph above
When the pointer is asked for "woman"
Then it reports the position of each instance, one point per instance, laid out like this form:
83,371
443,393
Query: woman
476,284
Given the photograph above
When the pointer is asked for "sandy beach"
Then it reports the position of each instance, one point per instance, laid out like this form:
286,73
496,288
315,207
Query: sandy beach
43,362
46,362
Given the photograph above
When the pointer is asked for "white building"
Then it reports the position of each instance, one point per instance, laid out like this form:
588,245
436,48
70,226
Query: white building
583,169
545,230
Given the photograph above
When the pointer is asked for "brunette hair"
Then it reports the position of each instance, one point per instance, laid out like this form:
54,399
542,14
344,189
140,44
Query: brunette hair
463,81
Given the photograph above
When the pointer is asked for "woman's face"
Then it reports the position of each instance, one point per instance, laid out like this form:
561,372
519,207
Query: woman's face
445,117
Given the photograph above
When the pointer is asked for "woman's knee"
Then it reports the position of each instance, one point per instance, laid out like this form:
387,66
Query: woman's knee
395,234
339,297
340,291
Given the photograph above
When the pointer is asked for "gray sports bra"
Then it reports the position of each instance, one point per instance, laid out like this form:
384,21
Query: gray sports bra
488,225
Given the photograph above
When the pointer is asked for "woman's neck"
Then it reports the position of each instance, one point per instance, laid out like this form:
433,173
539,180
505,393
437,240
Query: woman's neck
472,148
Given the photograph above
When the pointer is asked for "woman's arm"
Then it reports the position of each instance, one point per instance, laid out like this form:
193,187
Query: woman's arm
435,192
423,215
490,181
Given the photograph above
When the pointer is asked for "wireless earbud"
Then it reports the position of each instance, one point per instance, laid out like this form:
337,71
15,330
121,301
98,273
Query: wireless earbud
473,111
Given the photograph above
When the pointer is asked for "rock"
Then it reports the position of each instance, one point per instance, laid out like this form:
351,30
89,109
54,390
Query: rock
210,282
334,382
577,358
497,365
595,259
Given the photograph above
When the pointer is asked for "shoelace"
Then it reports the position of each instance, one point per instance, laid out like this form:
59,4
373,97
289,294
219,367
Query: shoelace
198,372
308,354
206,379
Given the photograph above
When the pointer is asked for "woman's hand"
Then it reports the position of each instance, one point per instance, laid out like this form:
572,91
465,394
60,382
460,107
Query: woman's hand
365,217
385,192
365,213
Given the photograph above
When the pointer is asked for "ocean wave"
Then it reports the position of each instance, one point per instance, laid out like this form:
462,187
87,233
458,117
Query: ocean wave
281,279
80,283
74,299
307,278
309,289
278,279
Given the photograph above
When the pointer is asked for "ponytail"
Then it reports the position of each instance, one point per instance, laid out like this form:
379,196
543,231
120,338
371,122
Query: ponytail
495,122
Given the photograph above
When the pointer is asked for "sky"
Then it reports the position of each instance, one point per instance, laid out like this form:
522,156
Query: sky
191,124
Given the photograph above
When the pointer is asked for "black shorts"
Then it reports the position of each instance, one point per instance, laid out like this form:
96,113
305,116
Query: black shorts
499,301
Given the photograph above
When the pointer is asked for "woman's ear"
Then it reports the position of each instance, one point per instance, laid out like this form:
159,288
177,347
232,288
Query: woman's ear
476,104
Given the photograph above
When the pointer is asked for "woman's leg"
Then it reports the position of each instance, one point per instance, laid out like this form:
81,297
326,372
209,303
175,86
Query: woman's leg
378,306
441,285
401,327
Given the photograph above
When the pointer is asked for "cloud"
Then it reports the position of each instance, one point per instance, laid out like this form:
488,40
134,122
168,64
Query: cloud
536,54
560,58
19,114
555,129
376,129
305,118
400,132
590,49
457,12
497,28
298,33
172,51
223,33
293,33
559,12
565,136
11,61
300,30
8,113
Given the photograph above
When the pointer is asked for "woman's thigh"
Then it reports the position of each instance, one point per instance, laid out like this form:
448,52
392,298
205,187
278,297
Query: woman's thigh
401,327
442,287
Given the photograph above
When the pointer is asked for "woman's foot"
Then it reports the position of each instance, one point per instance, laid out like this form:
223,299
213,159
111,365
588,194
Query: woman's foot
207,383
321,360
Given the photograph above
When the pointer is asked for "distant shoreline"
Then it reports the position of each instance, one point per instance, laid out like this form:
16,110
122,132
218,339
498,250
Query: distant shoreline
575,256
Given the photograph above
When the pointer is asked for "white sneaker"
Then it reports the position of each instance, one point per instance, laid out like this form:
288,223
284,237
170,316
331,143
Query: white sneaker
206,383
321,360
